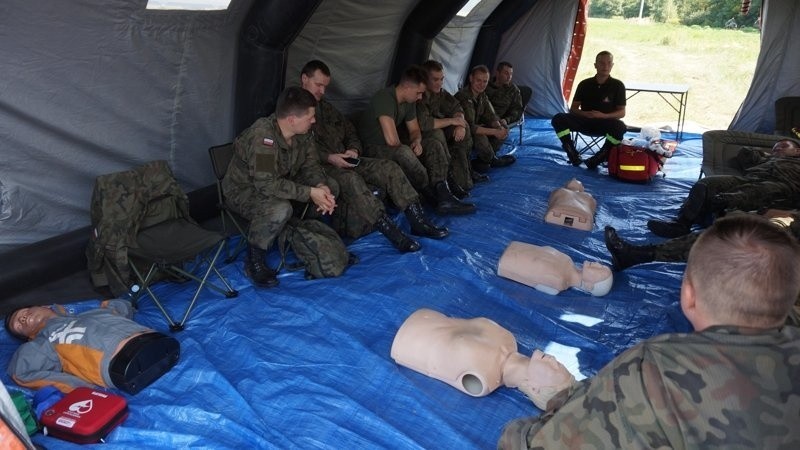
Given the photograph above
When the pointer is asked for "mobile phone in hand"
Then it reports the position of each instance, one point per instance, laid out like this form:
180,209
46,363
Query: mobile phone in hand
353,161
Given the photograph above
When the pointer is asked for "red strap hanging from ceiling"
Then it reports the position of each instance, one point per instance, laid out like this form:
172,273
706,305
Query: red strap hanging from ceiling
576,49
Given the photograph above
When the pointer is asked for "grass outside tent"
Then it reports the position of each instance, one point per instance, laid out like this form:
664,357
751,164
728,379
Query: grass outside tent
718,65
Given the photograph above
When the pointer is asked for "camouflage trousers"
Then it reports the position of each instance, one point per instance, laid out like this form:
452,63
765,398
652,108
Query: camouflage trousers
459,154
269,215
357,207
675,250
422,171
742,193
486,147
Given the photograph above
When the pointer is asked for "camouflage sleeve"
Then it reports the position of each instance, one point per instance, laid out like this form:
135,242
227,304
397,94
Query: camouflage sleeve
262,158
594,415
748,157
311,168
351,139
450,105
468,106
515,106
424,116
485,111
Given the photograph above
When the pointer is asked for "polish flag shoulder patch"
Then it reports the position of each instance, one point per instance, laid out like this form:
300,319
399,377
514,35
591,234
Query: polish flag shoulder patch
268,142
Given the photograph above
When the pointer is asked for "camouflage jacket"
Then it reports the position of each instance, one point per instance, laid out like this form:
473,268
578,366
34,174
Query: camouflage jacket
478,111
333,132
264,164
122,204
442,105
720,388
506,100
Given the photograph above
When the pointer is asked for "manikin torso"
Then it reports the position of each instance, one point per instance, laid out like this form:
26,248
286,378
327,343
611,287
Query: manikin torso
571,206
551,271
475,356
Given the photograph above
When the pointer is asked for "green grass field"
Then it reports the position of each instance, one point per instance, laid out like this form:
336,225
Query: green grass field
718,64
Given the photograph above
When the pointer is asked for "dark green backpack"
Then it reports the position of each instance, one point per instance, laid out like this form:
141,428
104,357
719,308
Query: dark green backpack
320,250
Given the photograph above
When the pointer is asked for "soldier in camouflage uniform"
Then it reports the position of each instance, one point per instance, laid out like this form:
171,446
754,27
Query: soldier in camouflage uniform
425,162
504,95
275,162
441,117
488,134
358,210
734,383
769,180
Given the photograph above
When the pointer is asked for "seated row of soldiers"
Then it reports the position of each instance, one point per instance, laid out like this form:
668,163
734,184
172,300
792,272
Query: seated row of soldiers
413,142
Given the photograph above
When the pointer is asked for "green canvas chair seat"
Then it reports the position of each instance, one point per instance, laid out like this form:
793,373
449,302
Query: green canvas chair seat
143,233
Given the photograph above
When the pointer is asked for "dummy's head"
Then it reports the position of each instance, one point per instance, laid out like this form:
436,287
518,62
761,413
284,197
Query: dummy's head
741,271
574,185
25,323
596,279
786,148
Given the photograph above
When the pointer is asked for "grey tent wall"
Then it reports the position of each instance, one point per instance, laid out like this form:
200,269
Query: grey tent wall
501,19
420,28
267,32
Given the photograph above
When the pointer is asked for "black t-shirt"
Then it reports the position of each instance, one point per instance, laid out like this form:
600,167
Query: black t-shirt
604,97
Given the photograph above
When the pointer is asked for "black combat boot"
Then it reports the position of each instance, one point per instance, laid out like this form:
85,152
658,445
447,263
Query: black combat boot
458,191
399,240
478,177
502,161
600,157
421,226
448,204
624,255
255,266
480,166
572,153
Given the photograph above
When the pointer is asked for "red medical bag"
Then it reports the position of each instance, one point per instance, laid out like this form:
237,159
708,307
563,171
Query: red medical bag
85,415
630,163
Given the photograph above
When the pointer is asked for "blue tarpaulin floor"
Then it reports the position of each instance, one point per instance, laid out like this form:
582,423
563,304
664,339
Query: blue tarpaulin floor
307,365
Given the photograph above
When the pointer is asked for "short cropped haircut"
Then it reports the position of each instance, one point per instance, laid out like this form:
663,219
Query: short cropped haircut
745,270
294,101
604,53
480,68
313,66
433,66
503,64
414,74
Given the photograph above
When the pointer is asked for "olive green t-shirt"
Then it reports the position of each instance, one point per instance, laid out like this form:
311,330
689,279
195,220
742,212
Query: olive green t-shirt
383,103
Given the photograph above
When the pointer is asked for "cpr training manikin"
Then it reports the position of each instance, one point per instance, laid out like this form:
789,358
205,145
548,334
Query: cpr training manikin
476,356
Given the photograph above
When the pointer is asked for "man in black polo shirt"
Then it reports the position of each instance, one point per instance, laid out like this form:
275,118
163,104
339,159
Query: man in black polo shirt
597,107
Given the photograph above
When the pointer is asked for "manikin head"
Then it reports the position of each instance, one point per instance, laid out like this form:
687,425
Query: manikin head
25,323
596,279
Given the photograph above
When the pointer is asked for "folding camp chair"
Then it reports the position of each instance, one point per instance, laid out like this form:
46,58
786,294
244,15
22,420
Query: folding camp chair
587,143
142,227
526,92
220,158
